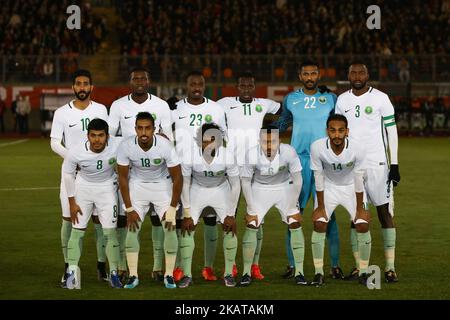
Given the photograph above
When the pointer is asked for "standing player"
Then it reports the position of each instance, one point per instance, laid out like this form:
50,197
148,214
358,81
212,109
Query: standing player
191,113
155,178
307,110
338,165
272,177
92,187
215,183
69,127
245,115
122,116
370,116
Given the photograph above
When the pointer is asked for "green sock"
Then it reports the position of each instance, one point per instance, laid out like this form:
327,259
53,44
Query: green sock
178,261
389,237
66,228
230,244
259,239
75,247
248,248
112,248
298,249
170,250
318,247
100,243
354,242
132,248
122,237
210,244
158,247
187,245
364,246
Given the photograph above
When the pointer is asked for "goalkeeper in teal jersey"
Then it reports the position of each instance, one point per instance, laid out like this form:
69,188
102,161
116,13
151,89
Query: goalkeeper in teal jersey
307,111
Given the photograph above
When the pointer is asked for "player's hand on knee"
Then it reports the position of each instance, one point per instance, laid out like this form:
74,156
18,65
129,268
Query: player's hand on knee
229,225
170,219
74,210
362,214
319,213
251,220
187,225
132,221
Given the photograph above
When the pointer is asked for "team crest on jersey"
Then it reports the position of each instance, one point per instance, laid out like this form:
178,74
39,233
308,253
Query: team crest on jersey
258,108
349,164
157,161
368,110
281,168
208,118
112,161
154,116
220,173
322,99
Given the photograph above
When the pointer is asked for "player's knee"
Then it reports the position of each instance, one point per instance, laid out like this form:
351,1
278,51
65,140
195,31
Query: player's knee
95,219
294,221
385,217
320,226
362,227
210,221
251,221
121,222
155,221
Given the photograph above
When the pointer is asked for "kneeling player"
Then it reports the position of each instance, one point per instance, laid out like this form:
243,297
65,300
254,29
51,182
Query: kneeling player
272,177
92,187
215,184
155,178
338,165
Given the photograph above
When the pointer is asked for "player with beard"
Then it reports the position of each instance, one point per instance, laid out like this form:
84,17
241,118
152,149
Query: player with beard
307,110
69,127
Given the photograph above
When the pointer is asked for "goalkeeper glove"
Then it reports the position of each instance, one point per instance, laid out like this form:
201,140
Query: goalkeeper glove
394,174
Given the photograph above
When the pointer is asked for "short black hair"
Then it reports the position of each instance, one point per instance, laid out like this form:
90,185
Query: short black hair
244,74
98,125
269,128
337,117
358,62
140,69
307,63
145,116
82,73
172,102
195,73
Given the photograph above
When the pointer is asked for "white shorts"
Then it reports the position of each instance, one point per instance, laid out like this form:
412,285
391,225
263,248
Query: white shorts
158,193
65,208
217,198
379,190
267,196
334,196
101,197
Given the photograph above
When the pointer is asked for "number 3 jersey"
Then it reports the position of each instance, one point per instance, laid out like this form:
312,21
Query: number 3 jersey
70,124
338,169
368,115
98,168
309,114
151,165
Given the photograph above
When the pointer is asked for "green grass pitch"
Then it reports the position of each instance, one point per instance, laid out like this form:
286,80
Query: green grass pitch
31,259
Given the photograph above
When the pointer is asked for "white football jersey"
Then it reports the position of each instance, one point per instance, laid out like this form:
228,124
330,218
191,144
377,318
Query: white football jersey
151,165
211,174
93,167
188,118
368,115
244,121
338,169
70,124
124,110
273,172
